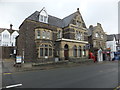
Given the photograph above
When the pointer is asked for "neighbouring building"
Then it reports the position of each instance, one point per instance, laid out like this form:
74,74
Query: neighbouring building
97,38
43,37
8,41
117,37
111,44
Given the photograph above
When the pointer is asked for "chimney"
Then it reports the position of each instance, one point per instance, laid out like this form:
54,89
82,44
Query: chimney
98,24
77,9
91,27
11,26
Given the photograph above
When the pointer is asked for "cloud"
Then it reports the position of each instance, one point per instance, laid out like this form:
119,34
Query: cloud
93,11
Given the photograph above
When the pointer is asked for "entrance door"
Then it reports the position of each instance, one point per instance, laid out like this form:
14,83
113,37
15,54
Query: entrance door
66,52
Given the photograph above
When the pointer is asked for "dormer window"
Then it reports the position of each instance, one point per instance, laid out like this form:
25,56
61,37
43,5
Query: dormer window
43,16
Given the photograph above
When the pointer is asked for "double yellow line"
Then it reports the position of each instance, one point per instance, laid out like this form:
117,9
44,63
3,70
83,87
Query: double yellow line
6,73
117,88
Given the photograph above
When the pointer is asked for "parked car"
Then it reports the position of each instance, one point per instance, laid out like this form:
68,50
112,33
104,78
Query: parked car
116,58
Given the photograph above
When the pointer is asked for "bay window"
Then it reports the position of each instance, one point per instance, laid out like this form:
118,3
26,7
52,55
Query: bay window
45,50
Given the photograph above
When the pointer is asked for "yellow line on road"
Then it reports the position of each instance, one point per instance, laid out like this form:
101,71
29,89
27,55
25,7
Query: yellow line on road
117,88
7,73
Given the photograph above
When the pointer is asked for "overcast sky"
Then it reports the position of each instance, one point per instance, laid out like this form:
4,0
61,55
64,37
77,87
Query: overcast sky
93,11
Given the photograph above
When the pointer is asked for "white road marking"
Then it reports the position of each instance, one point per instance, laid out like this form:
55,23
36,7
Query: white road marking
13,85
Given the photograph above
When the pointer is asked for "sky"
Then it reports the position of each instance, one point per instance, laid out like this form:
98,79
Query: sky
93,11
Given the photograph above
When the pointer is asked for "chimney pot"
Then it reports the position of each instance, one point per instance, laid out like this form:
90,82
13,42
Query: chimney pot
11,26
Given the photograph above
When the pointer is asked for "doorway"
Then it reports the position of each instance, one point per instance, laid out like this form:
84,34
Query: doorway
66,52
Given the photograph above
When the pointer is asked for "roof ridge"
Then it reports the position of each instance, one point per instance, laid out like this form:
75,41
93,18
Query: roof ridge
55,17
69,15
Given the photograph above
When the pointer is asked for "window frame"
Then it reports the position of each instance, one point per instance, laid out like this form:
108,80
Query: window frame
47,50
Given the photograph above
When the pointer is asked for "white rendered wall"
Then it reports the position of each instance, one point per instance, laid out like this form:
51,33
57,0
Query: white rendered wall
5,38
13,38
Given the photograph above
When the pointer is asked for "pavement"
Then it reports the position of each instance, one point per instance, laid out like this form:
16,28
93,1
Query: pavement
9,64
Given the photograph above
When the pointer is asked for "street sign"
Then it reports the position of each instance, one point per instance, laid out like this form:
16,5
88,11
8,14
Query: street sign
18,59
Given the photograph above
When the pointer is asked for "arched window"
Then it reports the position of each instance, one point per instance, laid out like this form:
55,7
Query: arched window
75,51
79,51
45,50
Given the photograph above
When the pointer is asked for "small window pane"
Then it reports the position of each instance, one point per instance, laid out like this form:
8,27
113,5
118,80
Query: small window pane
46,45
46,51
50,51
41,18
43,34
41,51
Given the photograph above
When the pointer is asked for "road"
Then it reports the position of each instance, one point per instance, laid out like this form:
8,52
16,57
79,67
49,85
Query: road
0,67
104,75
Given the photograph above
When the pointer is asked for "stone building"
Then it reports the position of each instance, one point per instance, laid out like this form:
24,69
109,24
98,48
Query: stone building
44,37
97,41
97,37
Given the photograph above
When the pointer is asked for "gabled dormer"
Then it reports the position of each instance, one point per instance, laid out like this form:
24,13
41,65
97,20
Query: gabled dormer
43,16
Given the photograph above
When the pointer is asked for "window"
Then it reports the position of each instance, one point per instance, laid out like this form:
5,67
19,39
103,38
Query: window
43,34
41,18
45,19
45,50
41,51
5,36
84,51
79,51
75,51
59,35
94,44
48,35
96,35
38,34
78,35
101,36
50,50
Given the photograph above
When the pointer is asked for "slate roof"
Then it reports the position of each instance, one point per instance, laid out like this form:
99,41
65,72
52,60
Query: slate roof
117,36
55,21
90,30
68,19
52,20
11,31
110,37
2,29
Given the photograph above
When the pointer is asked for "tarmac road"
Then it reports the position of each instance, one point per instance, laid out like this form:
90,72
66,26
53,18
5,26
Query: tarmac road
103,75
